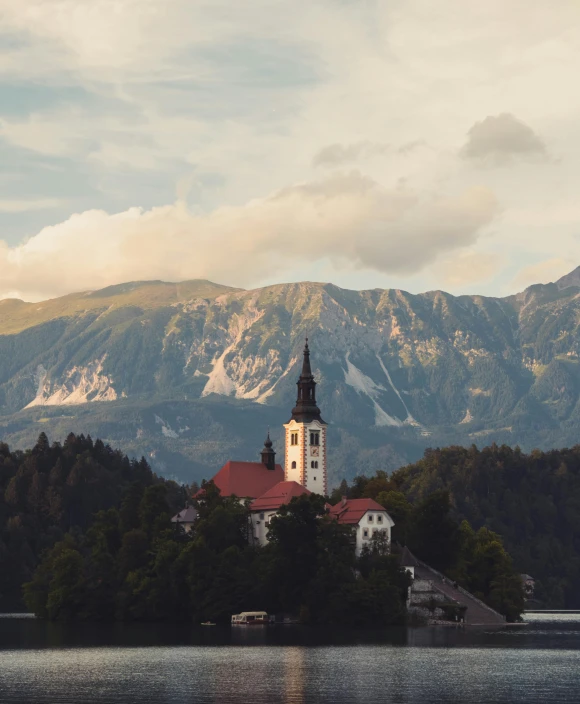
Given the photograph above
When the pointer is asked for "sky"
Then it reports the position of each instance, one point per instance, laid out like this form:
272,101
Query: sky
370,143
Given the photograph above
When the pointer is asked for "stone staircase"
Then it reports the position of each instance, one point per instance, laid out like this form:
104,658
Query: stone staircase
477,613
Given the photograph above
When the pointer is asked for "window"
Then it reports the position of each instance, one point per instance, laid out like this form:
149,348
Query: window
315,438
314,465
366,533
314,478
294,438
261,516
370,518
293,465
379,519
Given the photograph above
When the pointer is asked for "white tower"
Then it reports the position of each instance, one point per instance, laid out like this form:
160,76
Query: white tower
305,459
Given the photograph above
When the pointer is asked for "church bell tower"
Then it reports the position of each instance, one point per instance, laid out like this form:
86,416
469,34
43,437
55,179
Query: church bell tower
305,458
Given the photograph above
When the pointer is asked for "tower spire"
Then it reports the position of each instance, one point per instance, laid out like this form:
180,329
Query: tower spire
306,370
306,409
305,451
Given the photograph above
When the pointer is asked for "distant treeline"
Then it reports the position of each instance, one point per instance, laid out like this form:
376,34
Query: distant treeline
531,500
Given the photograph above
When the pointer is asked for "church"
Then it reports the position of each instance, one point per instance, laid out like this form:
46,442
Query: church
268,485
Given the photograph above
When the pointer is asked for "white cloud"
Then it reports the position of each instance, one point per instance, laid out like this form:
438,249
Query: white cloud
347,218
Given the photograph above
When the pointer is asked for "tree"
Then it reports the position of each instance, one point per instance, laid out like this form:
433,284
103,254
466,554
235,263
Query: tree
154,514
433,535
57,589
49,490
293,548
400,511
506,594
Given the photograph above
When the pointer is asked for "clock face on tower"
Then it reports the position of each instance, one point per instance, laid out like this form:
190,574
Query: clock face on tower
315,451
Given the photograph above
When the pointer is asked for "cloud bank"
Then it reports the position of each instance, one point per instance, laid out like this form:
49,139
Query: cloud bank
347,218
109,104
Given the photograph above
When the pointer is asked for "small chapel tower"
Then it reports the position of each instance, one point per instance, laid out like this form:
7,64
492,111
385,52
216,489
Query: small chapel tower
305,458
268,454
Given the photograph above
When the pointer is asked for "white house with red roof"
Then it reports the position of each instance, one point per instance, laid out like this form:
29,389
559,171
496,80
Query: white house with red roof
266,506
367,518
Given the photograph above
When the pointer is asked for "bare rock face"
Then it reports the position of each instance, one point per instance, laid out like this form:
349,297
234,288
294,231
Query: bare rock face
191,374
569,280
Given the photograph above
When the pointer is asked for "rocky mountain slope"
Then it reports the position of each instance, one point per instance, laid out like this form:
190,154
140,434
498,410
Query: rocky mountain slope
191,374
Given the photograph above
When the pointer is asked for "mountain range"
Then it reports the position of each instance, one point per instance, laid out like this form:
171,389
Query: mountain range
192,374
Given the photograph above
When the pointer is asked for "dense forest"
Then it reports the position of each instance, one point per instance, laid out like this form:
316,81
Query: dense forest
134,564
89,533
531,500
54,490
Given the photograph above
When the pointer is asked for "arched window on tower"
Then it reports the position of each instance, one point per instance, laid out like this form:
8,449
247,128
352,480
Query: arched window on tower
293,465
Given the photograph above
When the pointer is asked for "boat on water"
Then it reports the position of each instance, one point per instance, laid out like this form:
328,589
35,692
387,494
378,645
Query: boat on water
251,618
207,623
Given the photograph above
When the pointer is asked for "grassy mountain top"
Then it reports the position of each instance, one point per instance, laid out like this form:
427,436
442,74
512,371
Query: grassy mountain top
17,315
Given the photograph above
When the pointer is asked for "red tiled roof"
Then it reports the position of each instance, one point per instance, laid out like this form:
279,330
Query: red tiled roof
278,495
354,509
247,479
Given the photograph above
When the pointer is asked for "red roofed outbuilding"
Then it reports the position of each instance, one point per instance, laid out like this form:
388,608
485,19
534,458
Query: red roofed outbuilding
267,505
366,516
278,495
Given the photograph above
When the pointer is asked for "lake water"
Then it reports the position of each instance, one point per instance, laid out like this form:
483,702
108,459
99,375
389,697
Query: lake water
142,663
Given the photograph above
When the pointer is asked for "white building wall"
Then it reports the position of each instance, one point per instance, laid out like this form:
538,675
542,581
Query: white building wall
300,458
372,521
260,521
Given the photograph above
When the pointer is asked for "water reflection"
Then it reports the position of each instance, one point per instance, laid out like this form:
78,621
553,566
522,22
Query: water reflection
43,663
294,668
